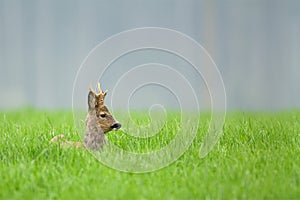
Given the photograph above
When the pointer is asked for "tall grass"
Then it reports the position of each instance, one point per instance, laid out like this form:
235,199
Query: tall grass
256,158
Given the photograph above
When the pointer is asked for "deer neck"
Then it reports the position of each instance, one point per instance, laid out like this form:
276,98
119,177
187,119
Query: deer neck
94,138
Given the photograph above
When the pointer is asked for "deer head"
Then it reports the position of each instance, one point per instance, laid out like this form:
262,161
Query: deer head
99,112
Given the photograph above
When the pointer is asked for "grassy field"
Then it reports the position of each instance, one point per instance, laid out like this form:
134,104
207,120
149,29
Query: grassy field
258,157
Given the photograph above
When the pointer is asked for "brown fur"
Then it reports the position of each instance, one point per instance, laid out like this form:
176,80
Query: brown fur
99,121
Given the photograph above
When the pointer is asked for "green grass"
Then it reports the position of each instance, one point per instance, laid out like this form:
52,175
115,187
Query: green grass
258,157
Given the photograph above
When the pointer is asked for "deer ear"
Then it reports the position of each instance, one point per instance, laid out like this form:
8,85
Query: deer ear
91,100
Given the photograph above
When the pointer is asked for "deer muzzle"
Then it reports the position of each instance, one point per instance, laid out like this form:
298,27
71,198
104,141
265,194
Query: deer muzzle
116,126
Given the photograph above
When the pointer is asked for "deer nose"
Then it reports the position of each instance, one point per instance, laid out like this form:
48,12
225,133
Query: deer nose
116,126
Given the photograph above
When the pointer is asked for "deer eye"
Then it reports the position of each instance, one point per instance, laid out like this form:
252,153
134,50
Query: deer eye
103,115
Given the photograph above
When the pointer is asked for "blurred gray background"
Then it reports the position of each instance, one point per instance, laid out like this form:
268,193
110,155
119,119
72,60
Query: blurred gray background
255,43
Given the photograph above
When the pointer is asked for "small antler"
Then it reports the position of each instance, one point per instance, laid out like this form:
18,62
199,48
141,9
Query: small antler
101,95
99,89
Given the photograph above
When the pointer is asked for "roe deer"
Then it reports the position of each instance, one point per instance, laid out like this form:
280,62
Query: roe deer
98,122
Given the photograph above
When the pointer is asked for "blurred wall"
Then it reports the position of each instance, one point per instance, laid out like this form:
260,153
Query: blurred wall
255,44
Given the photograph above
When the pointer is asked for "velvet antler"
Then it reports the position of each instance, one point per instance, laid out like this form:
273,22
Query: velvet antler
100,96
